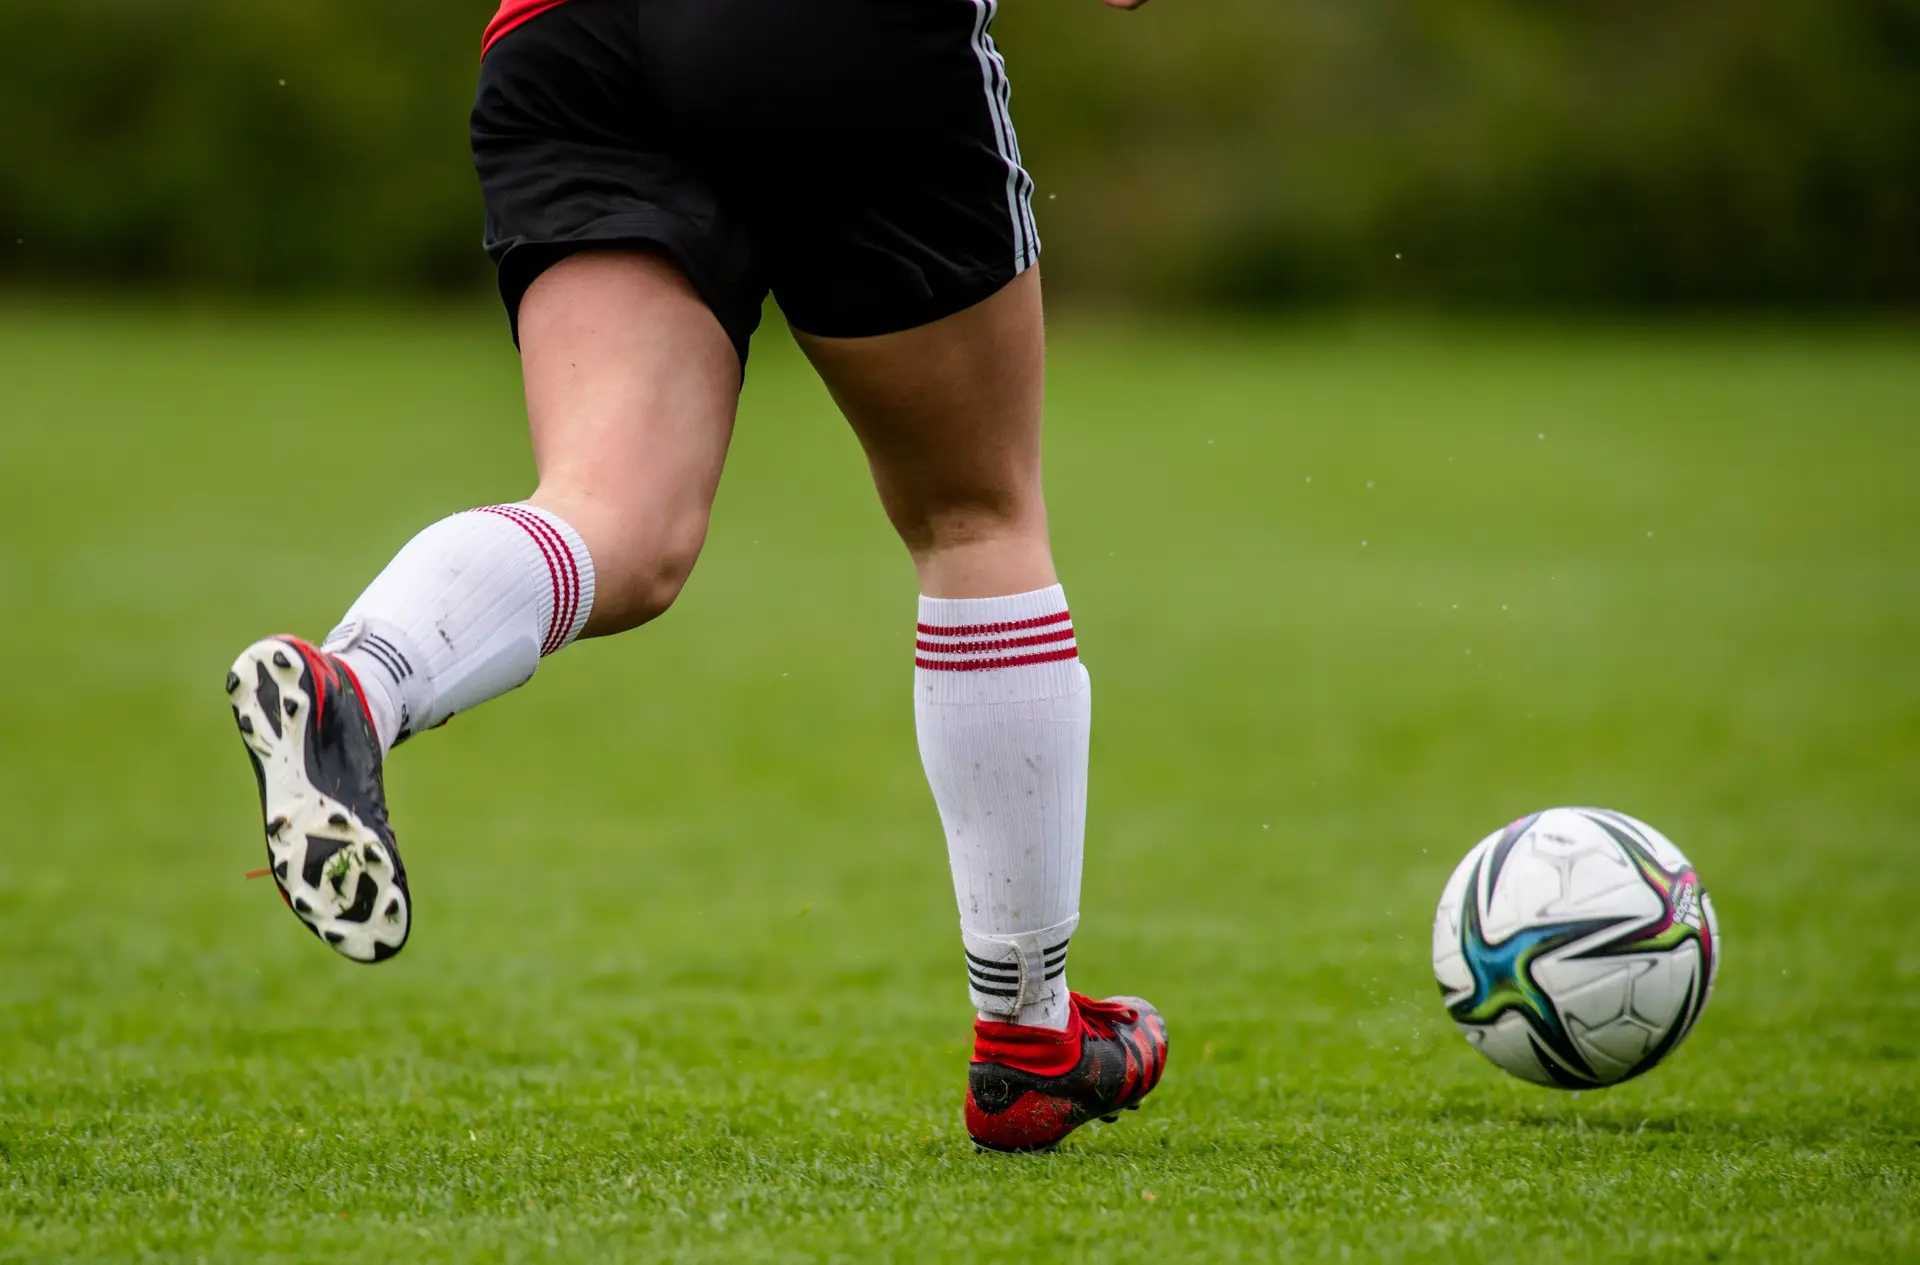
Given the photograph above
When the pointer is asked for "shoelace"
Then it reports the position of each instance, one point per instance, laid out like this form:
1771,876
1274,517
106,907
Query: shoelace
1100,1016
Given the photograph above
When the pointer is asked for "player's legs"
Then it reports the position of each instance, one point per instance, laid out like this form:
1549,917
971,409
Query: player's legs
631,385
633,292
949,414
900,241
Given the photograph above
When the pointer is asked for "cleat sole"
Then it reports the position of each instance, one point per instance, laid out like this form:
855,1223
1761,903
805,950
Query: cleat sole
332,868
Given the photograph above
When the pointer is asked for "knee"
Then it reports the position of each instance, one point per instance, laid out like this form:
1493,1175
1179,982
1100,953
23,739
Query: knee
646,575
643,592
642,556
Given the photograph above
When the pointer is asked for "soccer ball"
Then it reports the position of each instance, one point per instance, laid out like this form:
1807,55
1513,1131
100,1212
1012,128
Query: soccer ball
1575,948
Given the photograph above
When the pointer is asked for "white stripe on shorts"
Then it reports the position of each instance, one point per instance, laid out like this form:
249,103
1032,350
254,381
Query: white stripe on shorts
993,68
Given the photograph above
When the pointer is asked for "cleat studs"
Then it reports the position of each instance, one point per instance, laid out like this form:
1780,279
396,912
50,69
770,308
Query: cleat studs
1109,1119
246,725
300,905
275,826
233,682
280,660
280,871
372,854
338,819
393,910
334,937
293,709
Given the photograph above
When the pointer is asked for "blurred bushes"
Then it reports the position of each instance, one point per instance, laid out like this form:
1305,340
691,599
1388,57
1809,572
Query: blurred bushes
1249,151
257,144
1704,152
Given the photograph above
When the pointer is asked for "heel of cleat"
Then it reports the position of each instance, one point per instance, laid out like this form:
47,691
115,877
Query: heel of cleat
1122,1055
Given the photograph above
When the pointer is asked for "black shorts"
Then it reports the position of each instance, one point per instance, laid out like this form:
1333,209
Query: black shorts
855,157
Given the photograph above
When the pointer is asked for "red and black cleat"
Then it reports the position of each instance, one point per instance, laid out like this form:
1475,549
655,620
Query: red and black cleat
1030,1087
318,762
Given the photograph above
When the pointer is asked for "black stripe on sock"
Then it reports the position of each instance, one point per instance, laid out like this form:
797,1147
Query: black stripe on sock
1051,956
997,992
374,639
1053,947
385,659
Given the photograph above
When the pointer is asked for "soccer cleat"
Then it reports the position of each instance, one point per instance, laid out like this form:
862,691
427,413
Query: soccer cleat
1029,1087
317,760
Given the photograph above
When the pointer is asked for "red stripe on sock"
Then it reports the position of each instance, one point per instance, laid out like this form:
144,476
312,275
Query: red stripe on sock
563,628
982,665
554,572
563,618
563,613
554,567
980,647
983,630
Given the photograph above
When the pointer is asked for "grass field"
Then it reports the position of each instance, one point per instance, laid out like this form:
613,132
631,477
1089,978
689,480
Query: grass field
685,980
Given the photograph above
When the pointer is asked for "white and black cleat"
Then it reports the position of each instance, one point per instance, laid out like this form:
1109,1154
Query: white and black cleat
318,761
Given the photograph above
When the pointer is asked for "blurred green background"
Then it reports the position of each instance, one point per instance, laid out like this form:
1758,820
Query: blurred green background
1717,153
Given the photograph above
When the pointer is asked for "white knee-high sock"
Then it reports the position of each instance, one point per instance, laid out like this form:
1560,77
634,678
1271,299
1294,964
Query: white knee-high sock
1004,710
464,613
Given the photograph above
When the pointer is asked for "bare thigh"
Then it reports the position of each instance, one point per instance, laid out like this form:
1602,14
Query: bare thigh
631,391
949,416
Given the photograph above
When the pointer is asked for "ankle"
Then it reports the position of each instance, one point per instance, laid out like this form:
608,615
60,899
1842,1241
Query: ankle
989,565
1052,1013
384,664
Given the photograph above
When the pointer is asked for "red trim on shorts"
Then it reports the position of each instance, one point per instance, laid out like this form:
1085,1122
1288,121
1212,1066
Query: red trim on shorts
513,13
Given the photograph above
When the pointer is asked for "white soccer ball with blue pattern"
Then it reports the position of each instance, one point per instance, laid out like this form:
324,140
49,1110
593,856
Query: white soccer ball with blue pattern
1575,948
